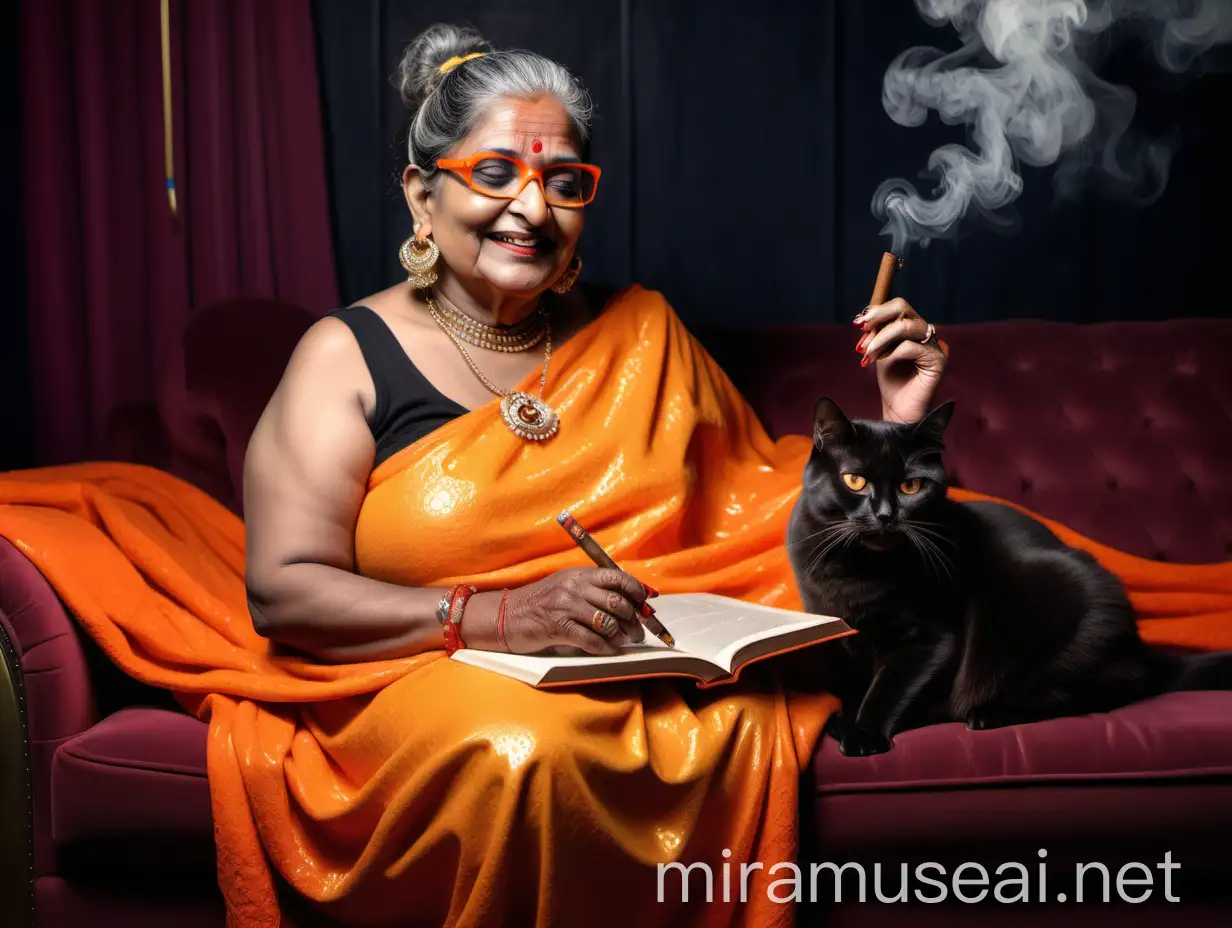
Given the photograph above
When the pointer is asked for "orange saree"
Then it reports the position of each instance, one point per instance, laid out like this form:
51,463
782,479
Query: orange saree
423,791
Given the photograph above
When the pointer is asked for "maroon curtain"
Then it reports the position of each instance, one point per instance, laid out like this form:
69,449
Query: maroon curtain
112,275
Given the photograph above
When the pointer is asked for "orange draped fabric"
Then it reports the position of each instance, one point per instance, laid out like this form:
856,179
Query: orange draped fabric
424,791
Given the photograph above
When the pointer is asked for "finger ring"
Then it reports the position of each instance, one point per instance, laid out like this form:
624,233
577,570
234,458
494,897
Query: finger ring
600,622
930,335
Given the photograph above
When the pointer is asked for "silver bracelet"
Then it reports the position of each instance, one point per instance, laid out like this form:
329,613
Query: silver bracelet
442,609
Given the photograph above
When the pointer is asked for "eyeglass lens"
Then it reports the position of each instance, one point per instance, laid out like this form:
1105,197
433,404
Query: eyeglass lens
565,185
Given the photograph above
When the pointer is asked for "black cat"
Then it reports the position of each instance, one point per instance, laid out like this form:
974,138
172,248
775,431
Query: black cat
968,612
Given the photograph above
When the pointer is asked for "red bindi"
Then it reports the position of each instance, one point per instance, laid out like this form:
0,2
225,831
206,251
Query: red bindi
536,146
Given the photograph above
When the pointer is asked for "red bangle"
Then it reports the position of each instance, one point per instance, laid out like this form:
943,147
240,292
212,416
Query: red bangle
452,640
500,622
458,596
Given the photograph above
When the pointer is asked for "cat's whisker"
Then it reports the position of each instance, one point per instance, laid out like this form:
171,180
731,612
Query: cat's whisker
925,524
828,527
942,557
840,540
829,534
830,531
838,543
940,536
932,554
929,557
916,540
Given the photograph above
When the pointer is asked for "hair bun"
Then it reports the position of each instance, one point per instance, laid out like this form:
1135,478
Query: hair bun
420,69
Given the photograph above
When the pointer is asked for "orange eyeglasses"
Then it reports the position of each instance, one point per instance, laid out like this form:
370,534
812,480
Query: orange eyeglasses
571,185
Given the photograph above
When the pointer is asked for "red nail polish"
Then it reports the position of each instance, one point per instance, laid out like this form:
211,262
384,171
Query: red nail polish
864,361
651,592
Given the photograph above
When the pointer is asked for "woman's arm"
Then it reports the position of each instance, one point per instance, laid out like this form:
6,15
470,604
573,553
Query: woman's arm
305,475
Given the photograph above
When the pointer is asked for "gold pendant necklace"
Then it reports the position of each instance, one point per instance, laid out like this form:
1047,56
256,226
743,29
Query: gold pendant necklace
527,416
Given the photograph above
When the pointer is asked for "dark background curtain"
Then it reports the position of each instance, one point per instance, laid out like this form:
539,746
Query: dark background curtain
741,145
112,276
16,422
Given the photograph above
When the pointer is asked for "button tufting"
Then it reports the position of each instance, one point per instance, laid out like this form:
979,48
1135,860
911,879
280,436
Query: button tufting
1111,483
981,423
1026,483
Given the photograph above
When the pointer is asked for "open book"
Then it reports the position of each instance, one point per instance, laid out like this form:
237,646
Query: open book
716,637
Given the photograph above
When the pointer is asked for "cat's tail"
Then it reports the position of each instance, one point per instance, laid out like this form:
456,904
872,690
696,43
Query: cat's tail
1174,674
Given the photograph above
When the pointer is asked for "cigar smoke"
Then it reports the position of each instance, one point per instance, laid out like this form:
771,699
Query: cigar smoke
1038,102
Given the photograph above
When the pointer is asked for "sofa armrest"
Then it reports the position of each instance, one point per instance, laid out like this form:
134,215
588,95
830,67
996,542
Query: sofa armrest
46,697
59,694
16,812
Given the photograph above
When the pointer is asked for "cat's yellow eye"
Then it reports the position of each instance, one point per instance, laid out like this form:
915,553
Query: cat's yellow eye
911,485
854,481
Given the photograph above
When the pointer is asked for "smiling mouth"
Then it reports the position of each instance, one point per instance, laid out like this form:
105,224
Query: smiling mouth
528,245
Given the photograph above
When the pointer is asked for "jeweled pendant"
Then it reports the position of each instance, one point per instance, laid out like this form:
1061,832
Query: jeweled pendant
529,417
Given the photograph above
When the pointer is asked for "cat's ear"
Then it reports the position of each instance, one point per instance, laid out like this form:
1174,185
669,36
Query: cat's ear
830,423
933,425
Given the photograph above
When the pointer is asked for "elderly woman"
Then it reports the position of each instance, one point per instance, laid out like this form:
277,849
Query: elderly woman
401,496
401,491
421,444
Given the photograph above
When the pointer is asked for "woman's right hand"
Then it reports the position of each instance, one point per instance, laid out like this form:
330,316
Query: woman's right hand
578,610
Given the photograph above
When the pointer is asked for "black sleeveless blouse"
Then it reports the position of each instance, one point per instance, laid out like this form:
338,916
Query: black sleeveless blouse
407,407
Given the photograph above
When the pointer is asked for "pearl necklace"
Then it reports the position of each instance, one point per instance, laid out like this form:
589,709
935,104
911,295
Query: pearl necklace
527,416
521,336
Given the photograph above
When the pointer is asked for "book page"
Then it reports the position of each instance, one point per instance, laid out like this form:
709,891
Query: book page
533,668
718,627
711,633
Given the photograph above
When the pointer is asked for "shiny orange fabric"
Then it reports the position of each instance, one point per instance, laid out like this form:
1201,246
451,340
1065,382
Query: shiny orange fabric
423,791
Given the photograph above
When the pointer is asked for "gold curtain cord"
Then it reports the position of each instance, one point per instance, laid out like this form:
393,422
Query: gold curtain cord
168,124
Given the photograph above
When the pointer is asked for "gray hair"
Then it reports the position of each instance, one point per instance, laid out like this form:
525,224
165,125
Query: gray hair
447,106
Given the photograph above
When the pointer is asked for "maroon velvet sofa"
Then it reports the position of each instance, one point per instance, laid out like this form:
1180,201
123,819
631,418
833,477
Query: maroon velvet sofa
104,803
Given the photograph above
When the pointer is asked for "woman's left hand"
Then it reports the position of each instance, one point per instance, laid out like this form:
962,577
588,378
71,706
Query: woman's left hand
908,367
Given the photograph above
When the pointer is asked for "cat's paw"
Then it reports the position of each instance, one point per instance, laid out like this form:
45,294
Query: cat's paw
835,726
985,719
860,742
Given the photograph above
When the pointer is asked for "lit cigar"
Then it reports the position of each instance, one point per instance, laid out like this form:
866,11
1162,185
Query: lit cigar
885,276
603,559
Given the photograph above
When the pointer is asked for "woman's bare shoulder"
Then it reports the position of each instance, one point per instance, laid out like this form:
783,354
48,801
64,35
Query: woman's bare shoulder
329,341
327,362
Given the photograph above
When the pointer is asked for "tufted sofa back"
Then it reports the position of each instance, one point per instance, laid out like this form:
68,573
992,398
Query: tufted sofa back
1121,430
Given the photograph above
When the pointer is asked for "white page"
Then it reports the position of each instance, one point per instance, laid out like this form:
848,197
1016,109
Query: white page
718,627
705,625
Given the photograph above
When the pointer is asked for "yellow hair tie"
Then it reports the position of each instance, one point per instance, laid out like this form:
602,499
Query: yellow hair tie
458,59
